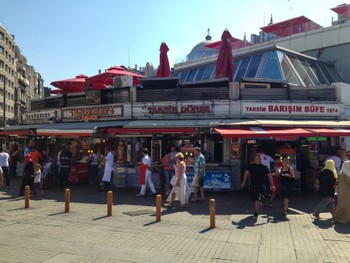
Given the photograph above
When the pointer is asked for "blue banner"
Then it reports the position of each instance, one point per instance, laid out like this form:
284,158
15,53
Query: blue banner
214,181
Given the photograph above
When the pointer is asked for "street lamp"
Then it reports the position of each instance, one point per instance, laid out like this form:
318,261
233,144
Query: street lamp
4,101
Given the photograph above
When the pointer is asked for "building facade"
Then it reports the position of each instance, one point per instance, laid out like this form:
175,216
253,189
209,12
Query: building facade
19,83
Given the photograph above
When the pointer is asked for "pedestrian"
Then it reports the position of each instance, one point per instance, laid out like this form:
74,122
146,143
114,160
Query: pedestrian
198,177
32,143
36,156
168,170
14,158
37,180
65,161
28,174
4,163
327,180
287,175
342,211
146,174
180,191
276,178
266,160
257,172
101,166
1,178
337,161
107,180
93,168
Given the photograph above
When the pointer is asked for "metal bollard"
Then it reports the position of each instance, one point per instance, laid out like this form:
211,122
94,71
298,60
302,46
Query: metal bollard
109,203
158,207
26,196
67,200
212,213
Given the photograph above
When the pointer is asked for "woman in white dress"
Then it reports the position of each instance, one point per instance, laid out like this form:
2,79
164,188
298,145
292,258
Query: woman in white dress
181,191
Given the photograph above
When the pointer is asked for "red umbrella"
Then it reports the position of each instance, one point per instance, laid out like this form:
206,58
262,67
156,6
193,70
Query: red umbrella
164,67
77,84
224,63
104,79
56,91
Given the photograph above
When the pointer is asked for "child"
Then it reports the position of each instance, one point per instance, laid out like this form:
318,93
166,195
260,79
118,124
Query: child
37,179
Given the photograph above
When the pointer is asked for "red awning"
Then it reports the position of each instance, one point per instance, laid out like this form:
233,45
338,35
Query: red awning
105,79
77,84
23,132
330,131
258,132
292,26
148,130
64,133
343,10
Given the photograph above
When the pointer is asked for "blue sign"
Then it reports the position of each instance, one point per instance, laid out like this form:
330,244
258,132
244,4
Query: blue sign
214,181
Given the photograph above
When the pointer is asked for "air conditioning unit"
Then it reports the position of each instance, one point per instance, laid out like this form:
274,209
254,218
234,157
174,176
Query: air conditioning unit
122,81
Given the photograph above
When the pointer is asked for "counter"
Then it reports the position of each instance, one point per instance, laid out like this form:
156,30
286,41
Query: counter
79,173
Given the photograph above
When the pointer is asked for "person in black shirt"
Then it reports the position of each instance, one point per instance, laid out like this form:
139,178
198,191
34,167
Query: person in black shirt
287,175
256,172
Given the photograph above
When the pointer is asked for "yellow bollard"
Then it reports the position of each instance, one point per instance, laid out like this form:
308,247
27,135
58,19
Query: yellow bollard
158,207
212,213
109,203
67,200
26,196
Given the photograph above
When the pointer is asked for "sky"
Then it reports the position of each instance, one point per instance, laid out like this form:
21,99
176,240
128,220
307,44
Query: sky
65,38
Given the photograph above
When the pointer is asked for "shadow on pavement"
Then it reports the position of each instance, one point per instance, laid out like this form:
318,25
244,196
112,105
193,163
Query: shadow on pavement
227,203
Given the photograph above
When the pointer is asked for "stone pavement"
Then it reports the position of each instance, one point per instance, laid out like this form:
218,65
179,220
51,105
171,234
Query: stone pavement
44,233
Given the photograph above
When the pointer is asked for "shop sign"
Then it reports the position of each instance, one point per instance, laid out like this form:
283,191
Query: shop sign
281,139
179,109
320,139
290,109
92,113
39,116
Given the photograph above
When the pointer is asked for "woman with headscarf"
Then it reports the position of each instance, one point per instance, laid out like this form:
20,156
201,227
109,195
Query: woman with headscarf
342,212
28,174
327,179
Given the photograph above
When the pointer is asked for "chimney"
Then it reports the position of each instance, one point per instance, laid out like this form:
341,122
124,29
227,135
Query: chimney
135,66
99,71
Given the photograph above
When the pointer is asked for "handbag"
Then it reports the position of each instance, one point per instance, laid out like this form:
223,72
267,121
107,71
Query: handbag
173,180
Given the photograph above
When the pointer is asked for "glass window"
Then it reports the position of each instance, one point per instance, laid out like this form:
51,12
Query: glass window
192,75
288,71
183,75
253,66
310,72
1,35
242,69
330,73
200,74
271,68
300,71
1,49
175,74
320,76
208,72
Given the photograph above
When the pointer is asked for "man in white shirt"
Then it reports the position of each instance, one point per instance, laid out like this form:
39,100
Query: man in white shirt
107,180
266,160
146,174
4,163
